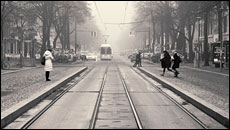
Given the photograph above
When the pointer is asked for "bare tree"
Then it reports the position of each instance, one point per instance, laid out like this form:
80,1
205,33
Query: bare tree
66,15
45,11
6,10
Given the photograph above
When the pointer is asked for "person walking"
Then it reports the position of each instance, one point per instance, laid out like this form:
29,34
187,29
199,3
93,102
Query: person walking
48,63
176,63
165,62
138,60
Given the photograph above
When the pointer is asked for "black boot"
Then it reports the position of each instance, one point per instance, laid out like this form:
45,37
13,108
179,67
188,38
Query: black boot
176,73
47,76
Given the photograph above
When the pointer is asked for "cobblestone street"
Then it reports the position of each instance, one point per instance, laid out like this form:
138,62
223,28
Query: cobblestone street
20,85
208,84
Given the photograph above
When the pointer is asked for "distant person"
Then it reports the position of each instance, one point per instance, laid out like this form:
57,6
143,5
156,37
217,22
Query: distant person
165,62
138,60
48,63
176,63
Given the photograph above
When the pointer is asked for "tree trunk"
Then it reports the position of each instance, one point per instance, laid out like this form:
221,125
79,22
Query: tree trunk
162,34
206,57
190,40
68,31
184,44
2,46
154,32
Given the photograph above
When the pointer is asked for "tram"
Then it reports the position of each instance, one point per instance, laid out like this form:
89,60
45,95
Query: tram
106,52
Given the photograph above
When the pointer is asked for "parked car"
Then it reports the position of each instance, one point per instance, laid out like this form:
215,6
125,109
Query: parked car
132,57
146,55
91,56
83,55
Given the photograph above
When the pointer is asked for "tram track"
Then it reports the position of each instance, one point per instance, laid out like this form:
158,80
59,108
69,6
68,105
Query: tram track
138,121
96,111
173,100
47,107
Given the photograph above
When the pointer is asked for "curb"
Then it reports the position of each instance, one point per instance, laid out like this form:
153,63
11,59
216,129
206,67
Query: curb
11,114
19,70
211,110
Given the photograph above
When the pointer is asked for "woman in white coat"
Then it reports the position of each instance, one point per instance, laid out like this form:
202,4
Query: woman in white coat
48,63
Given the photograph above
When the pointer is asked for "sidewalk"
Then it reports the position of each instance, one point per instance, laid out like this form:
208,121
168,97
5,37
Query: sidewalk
38,65
209,85
24,96
20,84
211,68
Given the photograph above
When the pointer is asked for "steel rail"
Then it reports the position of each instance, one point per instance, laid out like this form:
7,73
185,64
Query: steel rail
137,119
31,121
173,100
96,108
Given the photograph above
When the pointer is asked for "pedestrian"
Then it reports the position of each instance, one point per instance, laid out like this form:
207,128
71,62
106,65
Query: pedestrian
48,63
176,63
138,60
165,62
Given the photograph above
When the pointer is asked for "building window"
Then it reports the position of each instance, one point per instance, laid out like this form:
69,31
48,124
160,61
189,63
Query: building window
201,29
210,28
18,47
11,48
225,24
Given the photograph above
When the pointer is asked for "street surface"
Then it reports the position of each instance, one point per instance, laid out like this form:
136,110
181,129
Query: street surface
76,107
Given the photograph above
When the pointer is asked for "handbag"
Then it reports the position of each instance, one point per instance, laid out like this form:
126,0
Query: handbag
43,60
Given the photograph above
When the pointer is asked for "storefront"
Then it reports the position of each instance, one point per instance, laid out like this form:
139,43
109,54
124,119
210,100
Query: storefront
216,51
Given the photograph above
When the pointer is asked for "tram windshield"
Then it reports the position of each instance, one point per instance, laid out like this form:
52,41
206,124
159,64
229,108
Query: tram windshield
103,50
106,50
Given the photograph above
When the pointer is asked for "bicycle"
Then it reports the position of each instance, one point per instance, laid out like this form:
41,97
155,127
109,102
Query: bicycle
6,65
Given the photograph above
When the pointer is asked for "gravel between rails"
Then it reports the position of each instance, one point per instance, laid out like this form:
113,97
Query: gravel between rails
16,87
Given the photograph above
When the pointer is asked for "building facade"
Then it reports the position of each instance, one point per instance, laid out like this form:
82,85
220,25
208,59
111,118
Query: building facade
213,35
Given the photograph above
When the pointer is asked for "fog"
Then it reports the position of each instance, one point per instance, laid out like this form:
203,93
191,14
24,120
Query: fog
110,16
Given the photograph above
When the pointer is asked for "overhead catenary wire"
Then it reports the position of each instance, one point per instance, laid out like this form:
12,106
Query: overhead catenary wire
125,11
99,15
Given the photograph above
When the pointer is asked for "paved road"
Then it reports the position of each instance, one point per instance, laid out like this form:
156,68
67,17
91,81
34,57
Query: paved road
74,110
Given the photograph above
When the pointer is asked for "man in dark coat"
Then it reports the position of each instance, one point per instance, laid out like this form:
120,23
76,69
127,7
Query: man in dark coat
166,62
176,63
138,60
